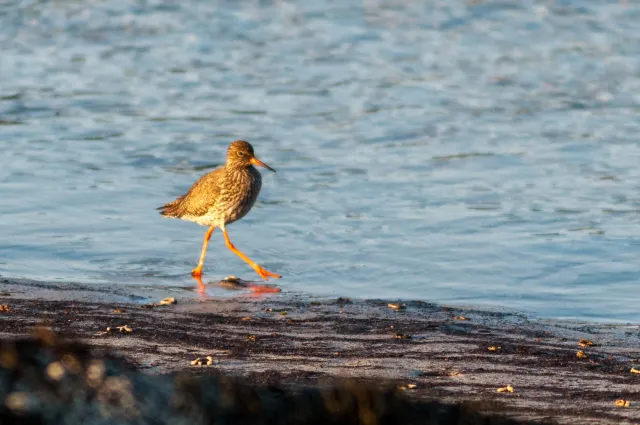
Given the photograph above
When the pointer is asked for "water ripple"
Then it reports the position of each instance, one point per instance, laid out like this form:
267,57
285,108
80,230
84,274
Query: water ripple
476,152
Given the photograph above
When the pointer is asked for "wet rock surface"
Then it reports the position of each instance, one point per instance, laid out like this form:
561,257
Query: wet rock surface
49,381
293,349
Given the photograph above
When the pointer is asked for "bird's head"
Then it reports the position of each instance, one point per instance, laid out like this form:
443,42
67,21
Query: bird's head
240,154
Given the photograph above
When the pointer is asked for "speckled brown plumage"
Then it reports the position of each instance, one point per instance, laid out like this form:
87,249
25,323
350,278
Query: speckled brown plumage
221,197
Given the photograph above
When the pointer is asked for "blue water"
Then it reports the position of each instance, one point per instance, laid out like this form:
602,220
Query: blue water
482,153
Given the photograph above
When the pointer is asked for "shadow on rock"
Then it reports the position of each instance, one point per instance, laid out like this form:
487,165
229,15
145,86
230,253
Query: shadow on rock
47,380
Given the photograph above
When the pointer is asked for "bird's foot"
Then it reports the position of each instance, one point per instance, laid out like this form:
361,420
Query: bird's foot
197,272
266,274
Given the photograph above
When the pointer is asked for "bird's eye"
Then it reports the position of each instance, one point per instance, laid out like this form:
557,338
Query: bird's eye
240,153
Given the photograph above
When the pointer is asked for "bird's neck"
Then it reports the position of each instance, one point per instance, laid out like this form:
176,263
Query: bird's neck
243,172
239,168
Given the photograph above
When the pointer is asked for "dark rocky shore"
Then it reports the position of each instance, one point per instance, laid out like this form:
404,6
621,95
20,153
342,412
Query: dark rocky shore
275,358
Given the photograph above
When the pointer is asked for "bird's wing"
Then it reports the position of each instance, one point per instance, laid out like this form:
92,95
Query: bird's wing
198,199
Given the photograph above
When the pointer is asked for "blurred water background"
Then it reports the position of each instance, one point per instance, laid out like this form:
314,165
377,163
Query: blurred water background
480,153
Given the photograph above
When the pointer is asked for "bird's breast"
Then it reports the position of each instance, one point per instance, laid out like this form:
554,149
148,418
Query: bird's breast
238,194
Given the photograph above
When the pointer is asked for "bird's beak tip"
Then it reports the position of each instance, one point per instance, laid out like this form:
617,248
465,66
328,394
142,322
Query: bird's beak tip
256,161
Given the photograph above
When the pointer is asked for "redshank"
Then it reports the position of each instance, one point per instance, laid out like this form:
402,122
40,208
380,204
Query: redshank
221,197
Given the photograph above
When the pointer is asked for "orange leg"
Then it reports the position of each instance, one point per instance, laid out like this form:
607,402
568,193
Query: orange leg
263,273
197,272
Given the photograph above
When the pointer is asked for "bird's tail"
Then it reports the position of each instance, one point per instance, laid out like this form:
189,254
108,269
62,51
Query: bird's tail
172,209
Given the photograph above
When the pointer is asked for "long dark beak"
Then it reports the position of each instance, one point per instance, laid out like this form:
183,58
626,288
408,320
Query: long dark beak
256,161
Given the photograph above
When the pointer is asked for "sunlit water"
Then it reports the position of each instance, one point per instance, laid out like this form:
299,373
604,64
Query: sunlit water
476,153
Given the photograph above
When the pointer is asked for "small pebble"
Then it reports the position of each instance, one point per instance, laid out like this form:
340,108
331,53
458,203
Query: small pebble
408,387
507,389
95,373
123,329
207,361
17,401
55,371
233,282
71,363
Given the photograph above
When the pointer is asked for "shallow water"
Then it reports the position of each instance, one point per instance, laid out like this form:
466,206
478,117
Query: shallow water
476,153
